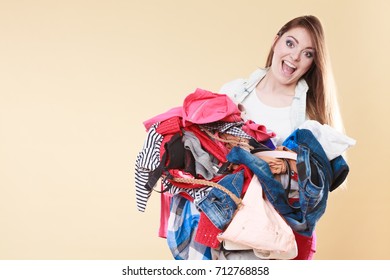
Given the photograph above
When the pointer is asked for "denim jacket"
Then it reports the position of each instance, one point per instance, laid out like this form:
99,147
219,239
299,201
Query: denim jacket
239,89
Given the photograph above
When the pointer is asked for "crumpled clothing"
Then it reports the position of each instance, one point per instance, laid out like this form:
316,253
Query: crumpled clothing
205,164
233,128
279,165
332,141
257,131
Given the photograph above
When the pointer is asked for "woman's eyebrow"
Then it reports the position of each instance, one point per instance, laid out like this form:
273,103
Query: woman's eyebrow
296,40
292,37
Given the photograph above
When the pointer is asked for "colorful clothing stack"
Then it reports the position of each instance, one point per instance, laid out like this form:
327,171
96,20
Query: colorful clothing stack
202,156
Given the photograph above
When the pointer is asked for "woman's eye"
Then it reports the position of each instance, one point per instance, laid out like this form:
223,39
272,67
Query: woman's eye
308,54
289,43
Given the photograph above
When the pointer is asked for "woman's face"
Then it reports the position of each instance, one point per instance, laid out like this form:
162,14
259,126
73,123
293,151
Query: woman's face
293,55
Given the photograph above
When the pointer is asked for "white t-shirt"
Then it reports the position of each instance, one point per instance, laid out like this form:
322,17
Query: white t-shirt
276,119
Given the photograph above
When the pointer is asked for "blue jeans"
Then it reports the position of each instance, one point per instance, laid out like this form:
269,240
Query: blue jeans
314,177
304,137
217,205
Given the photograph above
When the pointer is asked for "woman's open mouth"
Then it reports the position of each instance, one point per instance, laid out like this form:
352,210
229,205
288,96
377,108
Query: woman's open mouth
288,68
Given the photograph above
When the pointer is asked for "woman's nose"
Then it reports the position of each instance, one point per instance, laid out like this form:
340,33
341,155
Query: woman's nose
296,55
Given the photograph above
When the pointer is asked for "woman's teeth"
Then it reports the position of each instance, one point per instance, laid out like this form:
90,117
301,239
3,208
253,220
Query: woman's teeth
288,67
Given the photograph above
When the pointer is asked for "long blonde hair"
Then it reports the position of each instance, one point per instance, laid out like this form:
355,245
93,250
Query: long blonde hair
321,102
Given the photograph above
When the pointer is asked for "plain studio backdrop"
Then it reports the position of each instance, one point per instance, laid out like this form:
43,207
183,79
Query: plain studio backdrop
78,78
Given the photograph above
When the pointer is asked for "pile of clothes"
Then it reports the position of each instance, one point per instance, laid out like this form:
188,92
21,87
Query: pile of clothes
202,157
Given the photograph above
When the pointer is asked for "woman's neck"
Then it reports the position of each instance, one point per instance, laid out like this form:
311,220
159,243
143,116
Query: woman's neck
270,84
271,92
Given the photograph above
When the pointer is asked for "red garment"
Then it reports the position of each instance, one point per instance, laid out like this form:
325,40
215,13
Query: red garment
208,144
306,246
207,232
169,126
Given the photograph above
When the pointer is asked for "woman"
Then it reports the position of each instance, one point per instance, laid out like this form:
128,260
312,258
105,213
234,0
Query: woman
296,85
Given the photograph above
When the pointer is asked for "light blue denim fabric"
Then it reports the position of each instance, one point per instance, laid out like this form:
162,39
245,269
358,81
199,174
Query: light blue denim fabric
217,205
315,175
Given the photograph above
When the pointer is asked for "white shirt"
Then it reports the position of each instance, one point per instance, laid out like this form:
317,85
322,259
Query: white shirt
242,89
276,119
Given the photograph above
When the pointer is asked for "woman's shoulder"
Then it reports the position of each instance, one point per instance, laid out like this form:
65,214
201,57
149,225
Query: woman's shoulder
236,88
233,86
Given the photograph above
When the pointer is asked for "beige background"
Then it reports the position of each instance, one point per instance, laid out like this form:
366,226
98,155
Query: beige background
78,77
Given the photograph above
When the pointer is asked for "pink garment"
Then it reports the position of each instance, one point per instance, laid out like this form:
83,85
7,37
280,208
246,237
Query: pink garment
164,214
201,107
258,226
204,106
174,112
257,131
